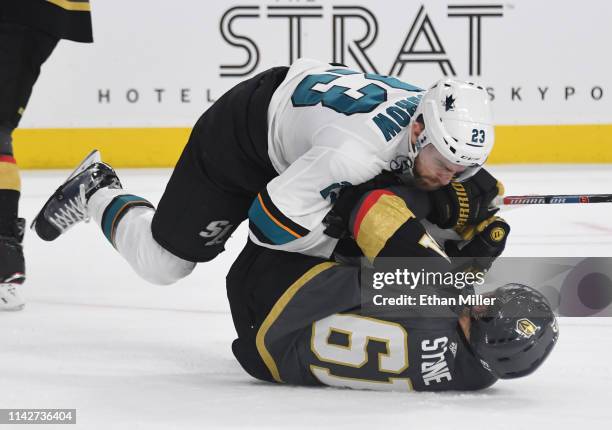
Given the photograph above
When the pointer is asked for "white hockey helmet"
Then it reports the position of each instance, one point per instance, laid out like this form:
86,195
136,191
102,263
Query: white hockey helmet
458,122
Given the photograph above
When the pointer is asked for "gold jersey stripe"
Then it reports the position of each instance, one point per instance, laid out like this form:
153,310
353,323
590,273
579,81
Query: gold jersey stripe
380,223
278,308
9,176
82,6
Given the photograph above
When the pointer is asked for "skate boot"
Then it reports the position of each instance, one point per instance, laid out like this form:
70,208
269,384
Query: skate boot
12,268
68,205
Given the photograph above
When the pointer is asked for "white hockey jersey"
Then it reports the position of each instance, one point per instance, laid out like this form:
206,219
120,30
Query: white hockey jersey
329,127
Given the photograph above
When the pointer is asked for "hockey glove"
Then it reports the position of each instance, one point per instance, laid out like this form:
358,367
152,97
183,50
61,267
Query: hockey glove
487,243
460,204
337,219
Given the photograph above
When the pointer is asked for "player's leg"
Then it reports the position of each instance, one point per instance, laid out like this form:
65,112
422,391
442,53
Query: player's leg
22,51
199,209
262,282
202,205
197,215
194,221
12,263
255,282
125,220
222,168
93,190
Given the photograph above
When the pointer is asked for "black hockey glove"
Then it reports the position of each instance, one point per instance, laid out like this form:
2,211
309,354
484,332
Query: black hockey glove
461,204
337,219
487,243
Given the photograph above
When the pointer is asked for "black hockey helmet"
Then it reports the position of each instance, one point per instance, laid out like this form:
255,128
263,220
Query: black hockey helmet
513,336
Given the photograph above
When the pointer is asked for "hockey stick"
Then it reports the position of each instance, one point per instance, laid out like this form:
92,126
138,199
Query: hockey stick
552,199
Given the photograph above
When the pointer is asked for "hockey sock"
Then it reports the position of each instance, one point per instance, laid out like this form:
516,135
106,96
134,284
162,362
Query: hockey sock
125,220
108,207
10,184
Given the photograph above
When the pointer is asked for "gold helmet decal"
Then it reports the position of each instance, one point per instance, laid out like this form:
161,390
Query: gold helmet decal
526,327
497,234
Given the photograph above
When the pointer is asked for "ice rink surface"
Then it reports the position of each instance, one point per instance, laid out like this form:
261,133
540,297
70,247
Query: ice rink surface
129,355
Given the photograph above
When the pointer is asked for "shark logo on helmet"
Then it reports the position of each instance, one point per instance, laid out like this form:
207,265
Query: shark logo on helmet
449,103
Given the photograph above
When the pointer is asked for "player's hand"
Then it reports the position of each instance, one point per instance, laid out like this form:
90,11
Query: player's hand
461,204
487,243
337,219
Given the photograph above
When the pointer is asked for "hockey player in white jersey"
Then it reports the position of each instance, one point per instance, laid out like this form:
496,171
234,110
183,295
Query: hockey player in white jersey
278,148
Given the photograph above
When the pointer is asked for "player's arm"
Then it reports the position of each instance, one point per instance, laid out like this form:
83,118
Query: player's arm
387,223
287,214
461,205
467,209
484,243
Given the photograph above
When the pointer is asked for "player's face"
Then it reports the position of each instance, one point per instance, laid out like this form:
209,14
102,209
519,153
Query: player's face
474,313
432,170
465,323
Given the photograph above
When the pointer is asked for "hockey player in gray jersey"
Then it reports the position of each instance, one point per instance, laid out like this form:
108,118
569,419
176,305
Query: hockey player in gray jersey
277,149
303,320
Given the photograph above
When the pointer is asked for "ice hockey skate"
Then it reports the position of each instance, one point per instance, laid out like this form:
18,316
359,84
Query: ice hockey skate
12,270
68,205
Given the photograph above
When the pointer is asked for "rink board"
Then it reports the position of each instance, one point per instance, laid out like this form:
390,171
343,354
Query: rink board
161,147
137,90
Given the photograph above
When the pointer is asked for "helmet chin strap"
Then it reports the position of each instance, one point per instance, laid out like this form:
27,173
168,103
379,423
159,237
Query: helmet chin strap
414,148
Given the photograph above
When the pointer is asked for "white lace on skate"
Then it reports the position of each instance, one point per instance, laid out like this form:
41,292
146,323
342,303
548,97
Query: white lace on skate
73,211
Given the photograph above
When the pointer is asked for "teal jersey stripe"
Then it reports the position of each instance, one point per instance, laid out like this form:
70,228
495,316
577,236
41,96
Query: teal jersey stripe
275,234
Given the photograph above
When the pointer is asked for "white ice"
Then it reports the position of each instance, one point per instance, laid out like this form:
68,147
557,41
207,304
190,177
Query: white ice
130,355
